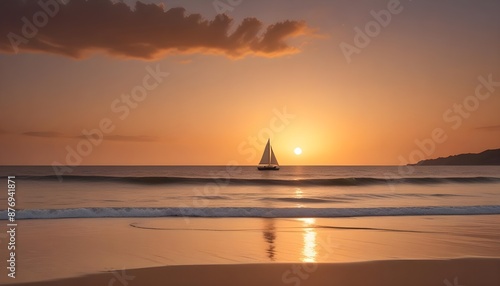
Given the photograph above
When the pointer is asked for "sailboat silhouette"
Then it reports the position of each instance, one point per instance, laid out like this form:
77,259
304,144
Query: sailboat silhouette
268,161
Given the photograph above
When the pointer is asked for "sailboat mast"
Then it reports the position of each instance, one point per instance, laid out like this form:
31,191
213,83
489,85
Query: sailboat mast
269,146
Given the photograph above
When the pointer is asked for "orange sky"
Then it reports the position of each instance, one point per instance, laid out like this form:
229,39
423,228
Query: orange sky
222,95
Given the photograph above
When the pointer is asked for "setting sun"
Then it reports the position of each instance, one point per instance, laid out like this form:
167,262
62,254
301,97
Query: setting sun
185,122
297,151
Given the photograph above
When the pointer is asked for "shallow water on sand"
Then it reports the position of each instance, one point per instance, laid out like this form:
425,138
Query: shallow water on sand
50,249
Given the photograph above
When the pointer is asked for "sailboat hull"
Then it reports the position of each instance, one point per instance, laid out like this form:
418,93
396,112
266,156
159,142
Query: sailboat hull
268,168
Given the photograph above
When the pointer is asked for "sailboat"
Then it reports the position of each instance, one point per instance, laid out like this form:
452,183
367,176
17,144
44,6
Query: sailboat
268,161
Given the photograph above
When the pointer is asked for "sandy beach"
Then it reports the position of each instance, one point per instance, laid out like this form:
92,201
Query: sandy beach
257,251
466,271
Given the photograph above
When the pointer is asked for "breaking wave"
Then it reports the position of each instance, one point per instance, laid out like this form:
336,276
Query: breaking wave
250,212
351,181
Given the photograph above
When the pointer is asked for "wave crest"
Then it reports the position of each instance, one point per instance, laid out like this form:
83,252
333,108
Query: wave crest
349,181
250,212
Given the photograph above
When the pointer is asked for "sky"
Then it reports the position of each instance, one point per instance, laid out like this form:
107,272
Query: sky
208,82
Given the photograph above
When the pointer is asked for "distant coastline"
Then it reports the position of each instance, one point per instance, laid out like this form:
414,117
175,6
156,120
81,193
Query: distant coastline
486,158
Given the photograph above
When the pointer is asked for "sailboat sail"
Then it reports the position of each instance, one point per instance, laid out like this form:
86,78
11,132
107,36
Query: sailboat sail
265,157
274,161
268,161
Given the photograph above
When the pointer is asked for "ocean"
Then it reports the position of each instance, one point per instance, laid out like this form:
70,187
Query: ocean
103,218
229,191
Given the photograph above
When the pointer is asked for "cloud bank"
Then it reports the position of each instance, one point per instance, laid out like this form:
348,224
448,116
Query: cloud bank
80,28
45,134
123,138
489,128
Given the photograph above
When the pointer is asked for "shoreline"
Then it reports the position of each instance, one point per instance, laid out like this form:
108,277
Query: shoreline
465,271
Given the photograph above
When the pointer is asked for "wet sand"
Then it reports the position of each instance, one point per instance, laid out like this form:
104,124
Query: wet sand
163,247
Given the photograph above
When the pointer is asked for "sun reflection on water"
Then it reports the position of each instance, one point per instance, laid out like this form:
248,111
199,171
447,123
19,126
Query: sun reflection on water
299,195
309,250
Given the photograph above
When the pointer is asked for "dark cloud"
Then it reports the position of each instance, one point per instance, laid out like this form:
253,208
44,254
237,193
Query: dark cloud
82,27
47,134
489,128
131,138
126,138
